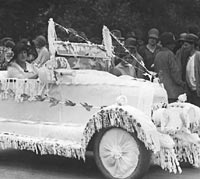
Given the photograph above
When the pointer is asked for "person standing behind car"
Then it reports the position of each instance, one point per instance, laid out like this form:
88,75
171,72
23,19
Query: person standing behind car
149,51
193,69
131,46
182,55
118,50
43,53
126,66
167,68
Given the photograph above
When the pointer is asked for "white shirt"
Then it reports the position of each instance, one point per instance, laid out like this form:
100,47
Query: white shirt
15,71
43,56
190,74
151,49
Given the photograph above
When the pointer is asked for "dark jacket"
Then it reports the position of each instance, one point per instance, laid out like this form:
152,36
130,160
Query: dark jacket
166,66
181,59
148,57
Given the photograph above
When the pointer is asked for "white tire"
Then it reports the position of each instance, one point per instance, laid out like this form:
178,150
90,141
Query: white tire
120,155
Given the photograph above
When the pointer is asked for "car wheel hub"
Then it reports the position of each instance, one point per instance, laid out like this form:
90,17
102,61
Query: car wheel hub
119,153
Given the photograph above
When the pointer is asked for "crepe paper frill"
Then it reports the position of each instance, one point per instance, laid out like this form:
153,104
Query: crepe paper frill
188,152
42,146
134,121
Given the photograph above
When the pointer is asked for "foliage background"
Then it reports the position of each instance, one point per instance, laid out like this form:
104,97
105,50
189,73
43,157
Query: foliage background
28,18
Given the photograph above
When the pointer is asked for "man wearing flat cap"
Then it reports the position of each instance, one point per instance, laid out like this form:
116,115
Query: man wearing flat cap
193,69
182,55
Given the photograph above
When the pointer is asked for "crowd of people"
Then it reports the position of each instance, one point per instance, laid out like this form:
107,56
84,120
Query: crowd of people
176,62
23,59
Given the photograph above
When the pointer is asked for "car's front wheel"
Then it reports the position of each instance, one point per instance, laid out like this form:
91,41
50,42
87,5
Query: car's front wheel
120,155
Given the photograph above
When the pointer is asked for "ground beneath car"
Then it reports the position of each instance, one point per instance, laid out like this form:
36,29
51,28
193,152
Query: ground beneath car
22,165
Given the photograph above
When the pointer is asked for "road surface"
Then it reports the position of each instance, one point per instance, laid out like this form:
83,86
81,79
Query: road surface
22,165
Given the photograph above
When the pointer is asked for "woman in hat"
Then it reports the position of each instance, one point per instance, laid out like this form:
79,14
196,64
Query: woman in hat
167,68
149,51
19,67
43,53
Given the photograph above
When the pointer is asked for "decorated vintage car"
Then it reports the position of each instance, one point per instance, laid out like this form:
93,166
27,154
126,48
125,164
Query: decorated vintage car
125,121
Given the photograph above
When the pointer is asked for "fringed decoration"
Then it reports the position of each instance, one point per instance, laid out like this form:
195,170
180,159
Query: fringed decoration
42,146
181,121
188,152
120,118
167,159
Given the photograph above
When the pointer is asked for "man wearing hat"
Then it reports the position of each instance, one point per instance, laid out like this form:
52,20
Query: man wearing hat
182,55
193,69
117,33
149,51
128,65
167,68
179,42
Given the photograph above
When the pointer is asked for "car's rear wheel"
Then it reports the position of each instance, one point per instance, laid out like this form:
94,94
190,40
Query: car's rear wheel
120,155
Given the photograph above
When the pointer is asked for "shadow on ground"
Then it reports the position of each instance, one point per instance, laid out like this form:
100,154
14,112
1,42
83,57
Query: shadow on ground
26,161
24,164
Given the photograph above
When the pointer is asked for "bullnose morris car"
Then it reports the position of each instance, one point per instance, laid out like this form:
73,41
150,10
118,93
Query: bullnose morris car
67,112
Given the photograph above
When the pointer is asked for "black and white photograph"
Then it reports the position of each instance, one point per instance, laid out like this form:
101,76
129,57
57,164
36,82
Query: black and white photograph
99,89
